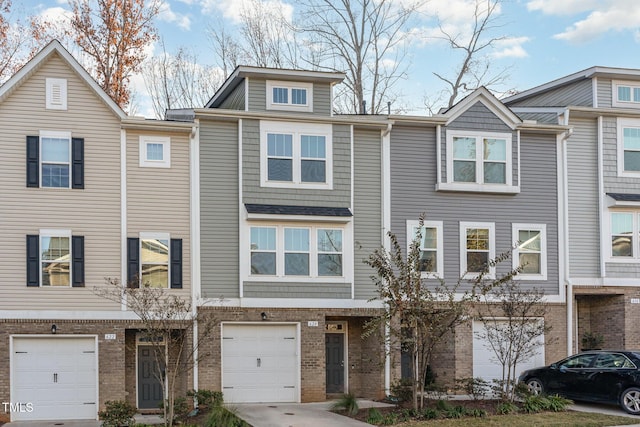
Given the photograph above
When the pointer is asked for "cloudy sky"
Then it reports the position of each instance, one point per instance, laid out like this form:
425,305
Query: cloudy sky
545,39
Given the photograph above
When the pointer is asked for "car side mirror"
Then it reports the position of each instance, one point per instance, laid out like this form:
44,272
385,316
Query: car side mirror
554,366
563,369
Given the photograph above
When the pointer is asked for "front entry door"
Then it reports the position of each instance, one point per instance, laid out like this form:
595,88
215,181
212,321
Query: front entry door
334,348
149,386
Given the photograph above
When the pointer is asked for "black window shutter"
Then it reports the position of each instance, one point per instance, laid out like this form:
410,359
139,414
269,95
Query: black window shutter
77,164
33,161
176,263
33,260
133,262
77,255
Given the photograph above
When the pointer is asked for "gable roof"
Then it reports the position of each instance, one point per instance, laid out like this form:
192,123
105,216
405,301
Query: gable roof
484,96
243,71
54,47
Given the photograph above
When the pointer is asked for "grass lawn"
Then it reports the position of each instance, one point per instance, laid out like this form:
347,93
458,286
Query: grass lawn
543,419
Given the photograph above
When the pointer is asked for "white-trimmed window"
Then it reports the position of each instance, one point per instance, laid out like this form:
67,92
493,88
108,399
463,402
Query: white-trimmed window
431,247
295,155
530,251
292,96
155,151
479,161
56,94
628,147
55,257
477,248
55,159
626,94
624,235
296,252
154,259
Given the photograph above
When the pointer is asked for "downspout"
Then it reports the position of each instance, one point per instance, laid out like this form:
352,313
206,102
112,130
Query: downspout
386,227
194,143
565,235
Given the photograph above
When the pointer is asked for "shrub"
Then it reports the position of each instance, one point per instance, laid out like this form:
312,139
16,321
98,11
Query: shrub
221,416
456,412
429,414
477,413
505,408
347,403
477,388
402,390
206,398
443,405
117,413
375,417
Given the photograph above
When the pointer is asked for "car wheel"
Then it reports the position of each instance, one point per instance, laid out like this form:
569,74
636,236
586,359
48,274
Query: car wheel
535,386
630,400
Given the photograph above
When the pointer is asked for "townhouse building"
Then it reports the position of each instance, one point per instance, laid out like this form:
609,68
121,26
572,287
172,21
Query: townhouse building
602,107
88,193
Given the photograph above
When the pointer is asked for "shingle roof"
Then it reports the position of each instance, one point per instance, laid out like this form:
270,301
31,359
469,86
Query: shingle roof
623,197
296,210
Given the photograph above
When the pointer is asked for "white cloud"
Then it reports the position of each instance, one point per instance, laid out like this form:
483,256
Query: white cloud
233,9
55,15
168,15
511,48
563,7
455,12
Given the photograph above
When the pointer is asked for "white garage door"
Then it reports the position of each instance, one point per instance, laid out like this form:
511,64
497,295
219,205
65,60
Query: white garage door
485,362
260,363
56,375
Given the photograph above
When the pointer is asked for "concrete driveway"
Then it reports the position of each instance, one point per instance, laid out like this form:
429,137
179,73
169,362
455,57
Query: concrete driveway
604,409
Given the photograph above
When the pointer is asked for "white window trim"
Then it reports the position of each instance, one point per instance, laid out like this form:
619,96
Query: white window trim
308,107
165,141
54,232
478,185
347,253
54,134
438,225
50,103
621,125
296,129
542,228
159,236
463,248
615,102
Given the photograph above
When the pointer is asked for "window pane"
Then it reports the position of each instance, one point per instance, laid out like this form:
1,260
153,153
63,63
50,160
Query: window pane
495,173
621,234
631,138
155,275
478,239
624,93
263,263
296,239
529,240
632,160
464,148
313,146
280,95
55,273
55,150
154,251
429,238
299,96
155,151
55,176
428,260
313,171
329,264
279,145
530,263
636,94
495,149
280,170
622,223
296,264
621,246
263,238
464,171
55,256
55,248
477,261
330,240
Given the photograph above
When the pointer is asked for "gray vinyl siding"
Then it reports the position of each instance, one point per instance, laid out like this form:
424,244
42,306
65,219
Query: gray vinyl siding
339,196
321,98
219,209
584,221
478,118
297,290
549,118
413,178
622,270
367,207
612,182
579,93
605,95
235,100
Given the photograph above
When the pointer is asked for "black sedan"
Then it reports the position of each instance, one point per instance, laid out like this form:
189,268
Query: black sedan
610,376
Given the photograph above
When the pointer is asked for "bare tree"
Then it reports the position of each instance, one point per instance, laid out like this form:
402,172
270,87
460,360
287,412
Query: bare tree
474,69
226,48
178,81
363,38
114,34
168,323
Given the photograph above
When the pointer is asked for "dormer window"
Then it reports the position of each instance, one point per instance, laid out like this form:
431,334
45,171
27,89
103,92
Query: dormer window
291,96
56,94
626,94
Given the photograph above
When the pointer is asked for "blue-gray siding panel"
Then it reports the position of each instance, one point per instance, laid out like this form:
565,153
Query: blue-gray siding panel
321,98
578,93
550,118
612,182
339,196
219,209
622,271
297,290
235,100
368,207
604,93
413,176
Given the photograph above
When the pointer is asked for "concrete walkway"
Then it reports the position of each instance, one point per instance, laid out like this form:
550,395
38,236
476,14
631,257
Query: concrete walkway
140,419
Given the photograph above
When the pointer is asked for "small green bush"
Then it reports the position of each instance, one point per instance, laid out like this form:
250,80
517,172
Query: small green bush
347,403
477,388
443,405
402,390
477,413
206,398
557,403
456,412
374,417
506,408
117,413
429,414
221,416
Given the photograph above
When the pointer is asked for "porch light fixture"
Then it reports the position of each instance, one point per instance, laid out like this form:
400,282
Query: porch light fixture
263,315
54,329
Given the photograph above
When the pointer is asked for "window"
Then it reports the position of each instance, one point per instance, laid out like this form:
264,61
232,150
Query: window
477,243
155,260
55,258
284,251
624,228
292,96
55,160
530,251
431,250
479,161
296,155
628,147
581,361
626,94
56,94
155,151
